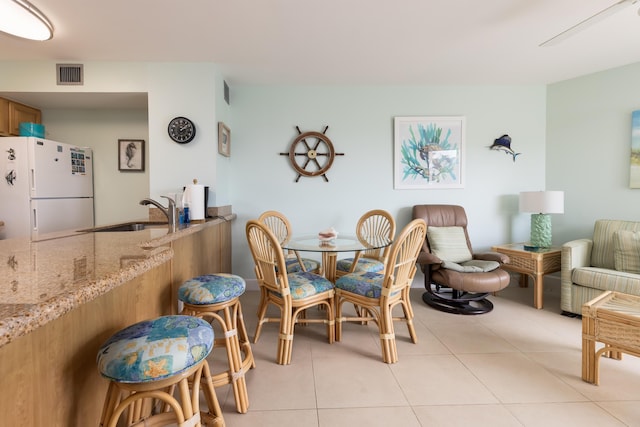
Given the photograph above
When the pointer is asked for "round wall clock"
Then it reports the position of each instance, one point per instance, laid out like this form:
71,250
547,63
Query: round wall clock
181,130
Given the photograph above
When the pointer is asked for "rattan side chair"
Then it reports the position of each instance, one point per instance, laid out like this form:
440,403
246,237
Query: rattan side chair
281,228
375,223
292,293
377,294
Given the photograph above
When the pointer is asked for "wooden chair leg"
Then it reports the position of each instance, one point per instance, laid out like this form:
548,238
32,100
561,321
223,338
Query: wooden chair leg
285,340
408,315
339,319
331,324
387,335
262,310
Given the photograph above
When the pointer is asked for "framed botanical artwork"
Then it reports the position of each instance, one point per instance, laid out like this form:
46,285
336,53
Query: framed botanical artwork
131,155
224,140
428,152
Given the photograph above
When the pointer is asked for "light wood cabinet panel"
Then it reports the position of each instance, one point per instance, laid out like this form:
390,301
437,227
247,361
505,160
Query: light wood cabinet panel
4,117
19,113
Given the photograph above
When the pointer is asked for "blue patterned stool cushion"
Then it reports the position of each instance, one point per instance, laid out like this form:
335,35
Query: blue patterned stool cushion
364,264
362,283
155,349
211,289
293,266
305,284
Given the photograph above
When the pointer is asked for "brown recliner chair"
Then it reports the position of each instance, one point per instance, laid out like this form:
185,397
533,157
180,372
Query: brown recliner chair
456,279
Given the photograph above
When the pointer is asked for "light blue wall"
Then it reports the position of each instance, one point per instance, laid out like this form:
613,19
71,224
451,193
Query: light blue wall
221,193
189,90
588,148
360,121
573,135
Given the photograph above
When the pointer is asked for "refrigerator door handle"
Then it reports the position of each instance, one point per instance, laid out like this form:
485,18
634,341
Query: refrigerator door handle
33,181
35,219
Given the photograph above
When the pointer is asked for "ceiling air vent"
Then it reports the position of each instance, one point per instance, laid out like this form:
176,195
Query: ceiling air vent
69,74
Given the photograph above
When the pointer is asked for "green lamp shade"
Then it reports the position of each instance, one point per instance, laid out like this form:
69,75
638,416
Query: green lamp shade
540,230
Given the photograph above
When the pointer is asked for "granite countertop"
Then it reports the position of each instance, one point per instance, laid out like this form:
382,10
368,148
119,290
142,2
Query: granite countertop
41,281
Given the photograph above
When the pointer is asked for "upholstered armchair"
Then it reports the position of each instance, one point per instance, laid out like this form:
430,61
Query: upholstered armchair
456,279
609,260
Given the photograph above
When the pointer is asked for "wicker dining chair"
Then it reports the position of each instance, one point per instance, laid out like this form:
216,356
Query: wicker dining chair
281,228
292,293
376,294
375,223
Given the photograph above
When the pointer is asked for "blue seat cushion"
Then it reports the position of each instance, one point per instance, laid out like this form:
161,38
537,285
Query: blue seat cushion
364,264
305,284
363,283
211,289
293,266
155,349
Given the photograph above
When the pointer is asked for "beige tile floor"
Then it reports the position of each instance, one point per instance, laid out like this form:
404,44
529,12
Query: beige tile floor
515,366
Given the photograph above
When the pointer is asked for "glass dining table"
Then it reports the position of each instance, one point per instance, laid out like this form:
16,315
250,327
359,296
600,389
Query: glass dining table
330,248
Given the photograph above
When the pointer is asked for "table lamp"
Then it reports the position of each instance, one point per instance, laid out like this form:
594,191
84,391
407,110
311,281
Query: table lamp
541,204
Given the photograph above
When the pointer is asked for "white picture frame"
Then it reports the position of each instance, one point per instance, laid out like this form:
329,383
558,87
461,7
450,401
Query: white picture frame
429,152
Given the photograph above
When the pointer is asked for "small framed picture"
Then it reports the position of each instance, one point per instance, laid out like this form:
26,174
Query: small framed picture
131,155
224,140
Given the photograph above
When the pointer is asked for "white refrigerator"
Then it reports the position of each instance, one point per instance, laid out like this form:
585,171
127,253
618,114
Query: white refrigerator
47,188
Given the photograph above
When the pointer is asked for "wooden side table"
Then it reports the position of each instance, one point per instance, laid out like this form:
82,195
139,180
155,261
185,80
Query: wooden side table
613,319
534,263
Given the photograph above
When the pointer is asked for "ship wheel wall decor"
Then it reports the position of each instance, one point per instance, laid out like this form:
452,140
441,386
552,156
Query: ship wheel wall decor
312,158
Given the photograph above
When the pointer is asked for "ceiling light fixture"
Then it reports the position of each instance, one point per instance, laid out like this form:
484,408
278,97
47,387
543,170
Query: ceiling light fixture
582,25
22,19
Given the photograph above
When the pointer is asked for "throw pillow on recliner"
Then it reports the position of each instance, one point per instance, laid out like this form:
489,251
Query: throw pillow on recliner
626,251
473,266
449,243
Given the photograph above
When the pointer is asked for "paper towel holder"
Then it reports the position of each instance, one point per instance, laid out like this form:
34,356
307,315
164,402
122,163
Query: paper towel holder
206,198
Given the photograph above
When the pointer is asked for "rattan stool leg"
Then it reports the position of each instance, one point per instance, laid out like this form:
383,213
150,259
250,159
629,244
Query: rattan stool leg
227,315
245,344
184,410
213,416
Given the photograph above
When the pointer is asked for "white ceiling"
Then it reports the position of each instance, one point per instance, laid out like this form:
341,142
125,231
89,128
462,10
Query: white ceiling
363,42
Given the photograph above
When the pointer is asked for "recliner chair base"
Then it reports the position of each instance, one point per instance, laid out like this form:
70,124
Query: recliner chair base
456,302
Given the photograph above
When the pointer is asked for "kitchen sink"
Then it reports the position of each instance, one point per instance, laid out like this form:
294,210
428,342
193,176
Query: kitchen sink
130,226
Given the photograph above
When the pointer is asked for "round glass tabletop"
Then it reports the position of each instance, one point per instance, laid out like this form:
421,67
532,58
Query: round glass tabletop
311,243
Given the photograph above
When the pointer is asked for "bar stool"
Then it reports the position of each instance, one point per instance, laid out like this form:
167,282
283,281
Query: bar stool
217,297
146,361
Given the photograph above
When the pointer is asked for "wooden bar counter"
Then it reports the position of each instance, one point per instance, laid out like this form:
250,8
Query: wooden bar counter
60,299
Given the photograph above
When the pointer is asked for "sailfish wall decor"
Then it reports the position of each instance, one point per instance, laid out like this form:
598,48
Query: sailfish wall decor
504,144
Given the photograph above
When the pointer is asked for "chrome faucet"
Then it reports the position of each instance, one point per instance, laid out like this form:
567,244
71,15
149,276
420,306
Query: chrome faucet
169,212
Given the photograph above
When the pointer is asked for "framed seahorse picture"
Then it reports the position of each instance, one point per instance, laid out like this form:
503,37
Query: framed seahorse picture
428,152
131,155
